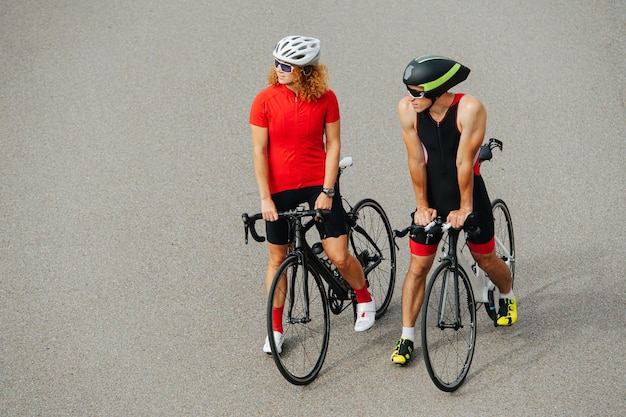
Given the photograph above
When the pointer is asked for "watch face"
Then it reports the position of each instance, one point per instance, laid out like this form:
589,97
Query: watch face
329,191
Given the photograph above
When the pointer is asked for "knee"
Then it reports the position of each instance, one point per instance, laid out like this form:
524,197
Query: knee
274,264
341,259
487,262
276,257
418,271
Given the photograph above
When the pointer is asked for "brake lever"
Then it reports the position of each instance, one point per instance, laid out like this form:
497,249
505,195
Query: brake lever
246,226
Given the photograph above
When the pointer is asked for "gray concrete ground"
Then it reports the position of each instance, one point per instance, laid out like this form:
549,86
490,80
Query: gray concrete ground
125,285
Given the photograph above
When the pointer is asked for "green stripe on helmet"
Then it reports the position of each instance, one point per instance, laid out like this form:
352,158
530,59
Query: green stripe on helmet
441,80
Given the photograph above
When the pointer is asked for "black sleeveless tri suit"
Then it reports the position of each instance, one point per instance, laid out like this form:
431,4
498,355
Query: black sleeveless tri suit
440,142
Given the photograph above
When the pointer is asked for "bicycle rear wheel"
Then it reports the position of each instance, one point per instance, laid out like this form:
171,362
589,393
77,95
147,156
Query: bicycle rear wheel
503,231
447,342
305,321
371,241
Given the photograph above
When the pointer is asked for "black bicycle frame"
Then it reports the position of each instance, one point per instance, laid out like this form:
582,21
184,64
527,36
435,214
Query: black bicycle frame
372,261
306,257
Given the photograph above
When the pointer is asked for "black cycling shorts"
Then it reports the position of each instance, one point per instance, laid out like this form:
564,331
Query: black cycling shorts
334,225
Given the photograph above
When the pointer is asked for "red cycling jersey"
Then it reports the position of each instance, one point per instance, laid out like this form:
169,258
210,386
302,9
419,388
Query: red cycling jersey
296,151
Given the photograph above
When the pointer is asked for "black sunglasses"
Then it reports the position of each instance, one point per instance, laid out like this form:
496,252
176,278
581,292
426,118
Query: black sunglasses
283,67
416,93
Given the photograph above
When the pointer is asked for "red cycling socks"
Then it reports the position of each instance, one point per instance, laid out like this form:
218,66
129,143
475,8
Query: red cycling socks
277,319
363,295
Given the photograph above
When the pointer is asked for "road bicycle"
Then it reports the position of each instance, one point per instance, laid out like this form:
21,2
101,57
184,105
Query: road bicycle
456,289
315,287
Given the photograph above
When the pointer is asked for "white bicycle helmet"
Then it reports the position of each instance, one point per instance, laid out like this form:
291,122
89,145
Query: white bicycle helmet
298,50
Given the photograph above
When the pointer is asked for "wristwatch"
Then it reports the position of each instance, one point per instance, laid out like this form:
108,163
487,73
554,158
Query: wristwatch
330,192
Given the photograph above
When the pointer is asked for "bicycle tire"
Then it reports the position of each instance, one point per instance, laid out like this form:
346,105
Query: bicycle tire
448,352
371,241
504,236
306,325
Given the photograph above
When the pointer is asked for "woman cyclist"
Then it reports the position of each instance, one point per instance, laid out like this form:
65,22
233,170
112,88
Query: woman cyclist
443,132
296,143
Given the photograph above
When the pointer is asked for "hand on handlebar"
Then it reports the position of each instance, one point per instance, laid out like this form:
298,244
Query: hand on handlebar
423,216
268,209
323,202
457,218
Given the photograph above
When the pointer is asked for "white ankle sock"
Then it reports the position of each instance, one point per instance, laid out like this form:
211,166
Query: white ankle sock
408,333
507,295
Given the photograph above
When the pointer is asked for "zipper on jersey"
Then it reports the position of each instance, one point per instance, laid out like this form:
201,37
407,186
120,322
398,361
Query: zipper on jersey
443,159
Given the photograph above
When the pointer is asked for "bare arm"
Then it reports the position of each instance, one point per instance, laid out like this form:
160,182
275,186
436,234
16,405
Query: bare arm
472,121
260,140
416,162
333,150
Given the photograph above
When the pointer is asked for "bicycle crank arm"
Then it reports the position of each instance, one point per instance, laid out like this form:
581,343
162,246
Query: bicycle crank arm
303,320
454,326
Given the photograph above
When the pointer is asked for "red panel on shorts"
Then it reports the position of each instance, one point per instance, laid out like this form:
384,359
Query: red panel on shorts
483,248
419,249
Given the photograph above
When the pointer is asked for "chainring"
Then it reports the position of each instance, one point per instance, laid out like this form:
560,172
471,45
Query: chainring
334,302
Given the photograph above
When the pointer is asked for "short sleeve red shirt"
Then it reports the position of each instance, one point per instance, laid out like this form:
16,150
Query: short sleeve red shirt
296,150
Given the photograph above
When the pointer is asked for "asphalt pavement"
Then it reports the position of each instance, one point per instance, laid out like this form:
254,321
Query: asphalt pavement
126,288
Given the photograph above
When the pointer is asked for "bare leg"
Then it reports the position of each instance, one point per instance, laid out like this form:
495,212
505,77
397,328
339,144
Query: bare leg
412,300
414,287
349,267
277,255
497,270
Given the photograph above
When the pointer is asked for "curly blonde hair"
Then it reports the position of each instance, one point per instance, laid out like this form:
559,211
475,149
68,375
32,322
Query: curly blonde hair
312,87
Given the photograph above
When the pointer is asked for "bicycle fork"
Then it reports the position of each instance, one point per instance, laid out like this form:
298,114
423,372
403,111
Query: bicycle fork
292,289
441,319
456,323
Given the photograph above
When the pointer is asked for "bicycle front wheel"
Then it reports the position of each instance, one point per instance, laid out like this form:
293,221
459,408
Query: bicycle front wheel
503,232
305,321
448,327
371,242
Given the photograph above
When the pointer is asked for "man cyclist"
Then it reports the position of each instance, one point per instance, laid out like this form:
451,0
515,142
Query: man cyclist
443,132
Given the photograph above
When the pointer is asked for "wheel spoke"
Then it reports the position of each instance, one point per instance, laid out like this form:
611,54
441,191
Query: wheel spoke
305,322
447,339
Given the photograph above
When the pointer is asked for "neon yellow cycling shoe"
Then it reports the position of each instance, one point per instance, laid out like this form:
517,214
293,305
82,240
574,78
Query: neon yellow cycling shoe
507,315
403,352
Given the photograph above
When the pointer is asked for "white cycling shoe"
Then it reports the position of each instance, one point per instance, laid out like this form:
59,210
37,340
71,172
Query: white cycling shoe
365,316
278,339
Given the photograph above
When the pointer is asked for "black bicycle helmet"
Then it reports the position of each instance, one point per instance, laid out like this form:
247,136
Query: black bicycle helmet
436,74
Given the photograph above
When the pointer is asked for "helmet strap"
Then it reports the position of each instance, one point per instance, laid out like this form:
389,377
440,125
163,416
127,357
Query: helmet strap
432,102
435,99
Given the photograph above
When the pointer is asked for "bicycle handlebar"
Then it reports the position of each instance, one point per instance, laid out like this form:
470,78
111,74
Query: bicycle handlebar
250,220
436,226
248,226
413,228
319,214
